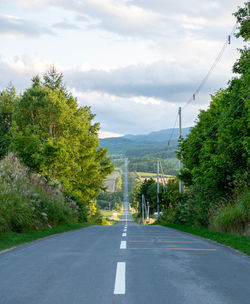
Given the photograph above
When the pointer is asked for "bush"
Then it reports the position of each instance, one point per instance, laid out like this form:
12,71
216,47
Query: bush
234,216
27,203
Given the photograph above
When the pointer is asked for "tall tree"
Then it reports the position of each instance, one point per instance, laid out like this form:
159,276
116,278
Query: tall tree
217,149
8,98
55,137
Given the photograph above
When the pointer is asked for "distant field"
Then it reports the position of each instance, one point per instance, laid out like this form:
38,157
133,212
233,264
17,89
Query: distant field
145,175
148,174
110,185
111,179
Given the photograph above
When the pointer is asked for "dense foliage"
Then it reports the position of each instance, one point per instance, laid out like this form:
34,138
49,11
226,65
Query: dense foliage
148,188
27,202
143,150
112,200
54,137
8,99
149,164
216,152
215,157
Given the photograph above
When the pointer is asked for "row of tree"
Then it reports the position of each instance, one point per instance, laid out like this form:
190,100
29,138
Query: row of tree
215,156
216,152
149,164
54,137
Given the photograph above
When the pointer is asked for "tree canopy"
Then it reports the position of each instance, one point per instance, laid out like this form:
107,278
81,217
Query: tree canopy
47,130
216,152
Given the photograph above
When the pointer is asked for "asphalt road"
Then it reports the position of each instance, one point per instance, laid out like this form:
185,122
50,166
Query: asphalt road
125,263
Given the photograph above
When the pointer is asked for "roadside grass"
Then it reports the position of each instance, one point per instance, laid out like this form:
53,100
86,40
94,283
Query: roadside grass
11,239
238,242
107,213
135,217
107,220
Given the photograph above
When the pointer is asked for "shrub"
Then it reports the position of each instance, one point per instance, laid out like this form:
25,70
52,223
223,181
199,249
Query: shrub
27,202
233,216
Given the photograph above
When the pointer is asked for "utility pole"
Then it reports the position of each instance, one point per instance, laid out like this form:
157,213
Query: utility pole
142,207
147,212
180,161
158,188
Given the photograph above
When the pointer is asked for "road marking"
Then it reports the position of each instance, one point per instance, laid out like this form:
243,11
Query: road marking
183,242
124,229
124,234
120,278
123,245
160,236
165,235
188,242
168,248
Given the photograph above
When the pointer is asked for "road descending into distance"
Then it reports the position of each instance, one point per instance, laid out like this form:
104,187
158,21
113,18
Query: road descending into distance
126,263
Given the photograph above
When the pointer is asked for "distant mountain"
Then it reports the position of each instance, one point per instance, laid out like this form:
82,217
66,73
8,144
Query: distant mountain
141,145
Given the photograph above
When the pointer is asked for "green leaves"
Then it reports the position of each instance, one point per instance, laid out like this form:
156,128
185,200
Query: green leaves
55,137
243,18
217,149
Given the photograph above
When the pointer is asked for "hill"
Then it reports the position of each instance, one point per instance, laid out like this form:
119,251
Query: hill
154,143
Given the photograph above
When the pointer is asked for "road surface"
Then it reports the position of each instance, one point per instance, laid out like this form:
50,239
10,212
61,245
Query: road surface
126,263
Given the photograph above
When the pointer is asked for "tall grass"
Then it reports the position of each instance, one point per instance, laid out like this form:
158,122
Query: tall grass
234,216
27,202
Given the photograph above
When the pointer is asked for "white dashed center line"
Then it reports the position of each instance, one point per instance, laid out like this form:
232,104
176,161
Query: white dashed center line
120,278
124,234
123,245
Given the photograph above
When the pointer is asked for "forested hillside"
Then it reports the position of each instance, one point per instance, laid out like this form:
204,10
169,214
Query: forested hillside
51,164
143,150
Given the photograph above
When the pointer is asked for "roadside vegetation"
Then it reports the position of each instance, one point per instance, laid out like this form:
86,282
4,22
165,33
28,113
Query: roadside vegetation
13,239
51,165
238,242
215,157
110,198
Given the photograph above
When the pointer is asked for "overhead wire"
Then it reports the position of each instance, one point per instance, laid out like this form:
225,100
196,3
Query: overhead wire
171,135
217,59
204,80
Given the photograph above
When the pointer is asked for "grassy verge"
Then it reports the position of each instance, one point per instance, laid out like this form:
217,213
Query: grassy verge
12,239
241,243
134,216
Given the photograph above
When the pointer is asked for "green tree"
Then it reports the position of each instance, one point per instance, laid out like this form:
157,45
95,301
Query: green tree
56,138
8,99
217,149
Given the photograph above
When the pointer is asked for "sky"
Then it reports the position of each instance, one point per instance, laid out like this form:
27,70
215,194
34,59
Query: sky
135,62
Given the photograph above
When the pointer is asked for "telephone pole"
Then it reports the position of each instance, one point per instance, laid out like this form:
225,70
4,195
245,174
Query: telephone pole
142,207
180,161
158,188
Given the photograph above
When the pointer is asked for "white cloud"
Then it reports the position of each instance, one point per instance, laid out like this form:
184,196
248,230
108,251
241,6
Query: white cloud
133,61
20,70
147,84
115,15
12,25
105,134
125,115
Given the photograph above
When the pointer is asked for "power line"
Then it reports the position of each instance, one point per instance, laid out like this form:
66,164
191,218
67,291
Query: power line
172,132
217,59
198,89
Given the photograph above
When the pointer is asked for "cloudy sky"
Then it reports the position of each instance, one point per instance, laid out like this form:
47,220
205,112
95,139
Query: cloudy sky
133,61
